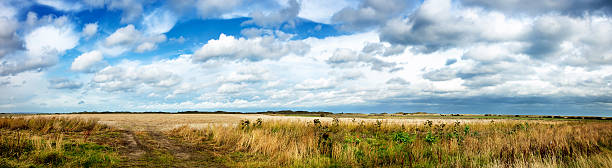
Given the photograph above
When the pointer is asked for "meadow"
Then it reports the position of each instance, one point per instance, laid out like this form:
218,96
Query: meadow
241,140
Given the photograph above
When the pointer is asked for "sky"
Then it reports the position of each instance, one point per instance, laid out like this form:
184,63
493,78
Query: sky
547,57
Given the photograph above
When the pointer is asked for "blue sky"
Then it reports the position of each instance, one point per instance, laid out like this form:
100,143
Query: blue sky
549,57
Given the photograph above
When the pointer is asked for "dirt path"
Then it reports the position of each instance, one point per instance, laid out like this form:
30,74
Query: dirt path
155,149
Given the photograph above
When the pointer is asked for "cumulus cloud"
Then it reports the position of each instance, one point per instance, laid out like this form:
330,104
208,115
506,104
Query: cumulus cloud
90,29
246,75
348,57
64,83
493,53
231,88
253,49
257,32
128,76
440,75
451,52
215,8
86,61
276,18
159,21
437,25
370,13
321,10
440,25
131,9
128,37
382,49
43,45
575,41
123,36
9,41
50,39
146,46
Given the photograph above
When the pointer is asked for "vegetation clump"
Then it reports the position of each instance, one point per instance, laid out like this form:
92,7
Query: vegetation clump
45,142
380,144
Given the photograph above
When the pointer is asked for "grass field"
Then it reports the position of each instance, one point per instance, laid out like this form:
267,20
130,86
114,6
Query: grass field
257,140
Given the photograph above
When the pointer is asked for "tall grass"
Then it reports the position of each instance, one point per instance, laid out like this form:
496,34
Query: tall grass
43,142
50,124
359,144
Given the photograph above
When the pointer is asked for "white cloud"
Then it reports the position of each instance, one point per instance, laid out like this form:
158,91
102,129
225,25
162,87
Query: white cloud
215,8
129,75
276,18
63,83
62,5
7,10
86,61
90,29
43,45
254,49
321,10
343,56
370,13
313,84
231,88
131,9
50,39
246,75
124,36
440,52
159,21
146,46
437,24
128,38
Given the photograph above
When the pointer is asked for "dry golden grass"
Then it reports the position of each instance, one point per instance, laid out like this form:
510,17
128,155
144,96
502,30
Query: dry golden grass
361,144
142,122
52,142
299,141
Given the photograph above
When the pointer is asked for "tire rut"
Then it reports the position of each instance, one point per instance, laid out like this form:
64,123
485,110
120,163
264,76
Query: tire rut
155,149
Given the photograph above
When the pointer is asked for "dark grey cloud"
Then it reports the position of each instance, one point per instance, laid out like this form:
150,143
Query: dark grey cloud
64,83
570,7
15,65
9,41
547,34
433,27
481,74
498,104
370,13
